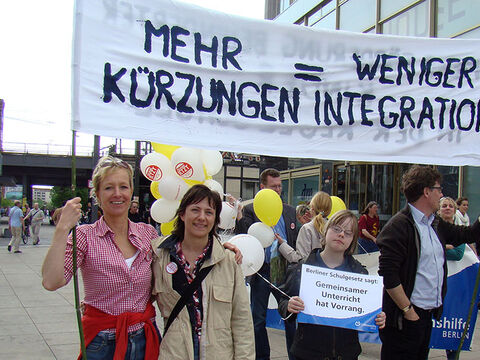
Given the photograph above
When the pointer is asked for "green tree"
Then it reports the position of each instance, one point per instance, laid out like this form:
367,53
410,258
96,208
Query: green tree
6,203
59,195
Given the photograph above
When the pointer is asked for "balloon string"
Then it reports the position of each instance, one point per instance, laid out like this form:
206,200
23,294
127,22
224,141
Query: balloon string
276,288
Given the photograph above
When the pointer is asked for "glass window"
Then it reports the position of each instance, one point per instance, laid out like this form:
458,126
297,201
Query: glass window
354,194
473,34
389,7
303,189
454,16
317,15
380,189
450,180
285,195
357,15
249,189
328,22
471,189
341,179
413,22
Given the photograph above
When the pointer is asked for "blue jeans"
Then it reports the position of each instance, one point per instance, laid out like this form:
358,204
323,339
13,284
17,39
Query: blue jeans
259,294
102,346
366,246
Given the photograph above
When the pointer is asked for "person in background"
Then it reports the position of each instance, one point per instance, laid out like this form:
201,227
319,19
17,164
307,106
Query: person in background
215,322
16,225
113,254
133,213
368,228
447,213
311,234
275,265
303,214
36,215
461,216
321,341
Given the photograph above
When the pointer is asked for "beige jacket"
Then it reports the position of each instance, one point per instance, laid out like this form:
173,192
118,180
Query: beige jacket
308,239
227,329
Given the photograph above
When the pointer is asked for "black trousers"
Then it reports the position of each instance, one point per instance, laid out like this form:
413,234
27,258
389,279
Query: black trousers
410,343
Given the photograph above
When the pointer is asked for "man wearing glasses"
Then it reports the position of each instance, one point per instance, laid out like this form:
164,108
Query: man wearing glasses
413,265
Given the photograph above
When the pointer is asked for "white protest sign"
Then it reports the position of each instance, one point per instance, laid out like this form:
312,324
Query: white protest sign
339,298
175,73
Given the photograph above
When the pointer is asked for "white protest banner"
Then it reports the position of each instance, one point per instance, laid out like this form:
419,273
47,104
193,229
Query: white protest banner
339,298
178,74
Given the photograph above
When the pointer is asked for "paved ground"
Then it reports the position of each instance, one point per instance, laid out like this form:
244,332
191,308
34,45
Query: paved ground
37,324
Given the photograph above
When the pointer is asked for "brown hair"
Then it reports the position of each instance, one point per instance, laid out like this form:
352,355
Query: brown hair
416,179
193,196
367,208
104,166
268,172
338,218
460,200
321,204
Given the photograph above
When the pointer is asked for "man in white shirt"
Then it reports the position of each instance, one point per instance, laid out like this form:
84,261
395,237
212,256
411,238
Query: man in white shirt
36,215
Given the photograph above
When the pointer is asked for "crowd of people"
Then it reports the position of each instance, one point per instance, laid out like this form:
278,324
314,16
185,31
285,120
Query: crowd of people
199,287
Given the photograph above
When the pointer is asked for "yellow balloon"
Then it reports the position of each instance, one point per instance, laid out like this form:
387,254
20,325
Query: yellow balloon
164,149
192,182
337,205
268,206
167,228
154,190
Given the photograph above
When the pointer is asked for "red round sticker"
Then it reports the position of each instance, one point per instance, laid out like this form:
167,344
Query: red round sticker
184,169
171,268
153,172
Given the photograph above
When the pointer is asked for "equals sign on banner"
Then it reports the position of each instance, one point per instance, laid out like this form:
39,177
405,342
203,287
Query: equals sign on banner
309,68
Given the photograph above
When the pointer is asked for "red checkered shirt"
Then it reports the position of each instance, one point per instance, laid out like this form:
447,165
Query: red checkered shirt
109,284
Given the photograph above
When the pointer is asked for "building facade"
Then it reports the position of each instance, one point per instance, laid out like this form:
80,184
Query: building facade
358,183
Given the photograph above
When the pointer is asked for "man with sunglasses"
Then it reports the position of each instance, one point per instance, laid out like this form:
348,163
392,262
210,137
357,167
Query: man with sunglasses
413,265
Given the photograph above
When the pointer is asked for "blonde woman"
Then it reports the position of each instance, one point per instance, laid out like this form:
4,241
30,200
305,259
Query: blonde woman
310,234
115,257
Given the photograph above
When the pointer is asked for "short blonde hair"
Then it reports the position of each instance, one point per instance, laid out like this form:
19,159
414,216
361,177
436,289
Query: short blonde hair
338,218
104,166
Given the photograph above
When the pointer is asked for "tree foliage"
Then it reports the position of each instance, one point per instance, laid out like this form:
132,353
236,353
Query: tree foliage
59,195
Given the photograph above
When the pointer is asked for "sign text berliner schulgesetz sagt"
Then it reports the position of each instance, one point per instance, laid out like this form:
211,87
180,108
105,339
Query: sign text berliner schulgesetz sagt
175,73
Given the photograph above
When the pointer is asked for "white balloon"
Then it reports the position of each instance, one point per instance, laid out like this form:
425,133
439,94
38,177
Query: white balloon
171,187
263,233
213,161
164,210
155,166
227,216
214,186
187,163
252,251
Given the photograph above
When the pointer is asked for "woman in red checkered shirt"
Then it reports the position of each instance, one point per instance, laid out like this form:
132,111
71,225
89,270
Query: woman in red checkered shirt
115,257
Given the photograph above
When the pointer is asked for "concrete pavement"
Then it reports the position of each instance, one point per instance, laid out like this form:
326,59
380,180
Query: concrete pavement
40,325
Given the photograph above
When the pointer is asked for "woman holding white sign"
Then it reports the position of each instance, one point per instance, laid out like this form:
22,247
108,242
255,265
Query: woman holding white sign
319,341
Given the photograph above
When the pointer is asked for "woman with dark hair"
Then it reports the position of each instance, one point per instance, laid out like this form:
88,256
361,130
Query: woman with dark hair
320,341
368,229
192,268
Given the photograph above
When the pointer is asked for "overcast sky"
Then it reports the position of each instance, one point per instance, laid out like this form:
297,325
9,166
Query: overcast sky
35,62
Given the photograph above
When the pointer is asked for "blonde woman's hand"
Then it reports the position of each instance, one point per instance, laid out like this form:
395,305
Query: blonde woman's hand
236,250
71,213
